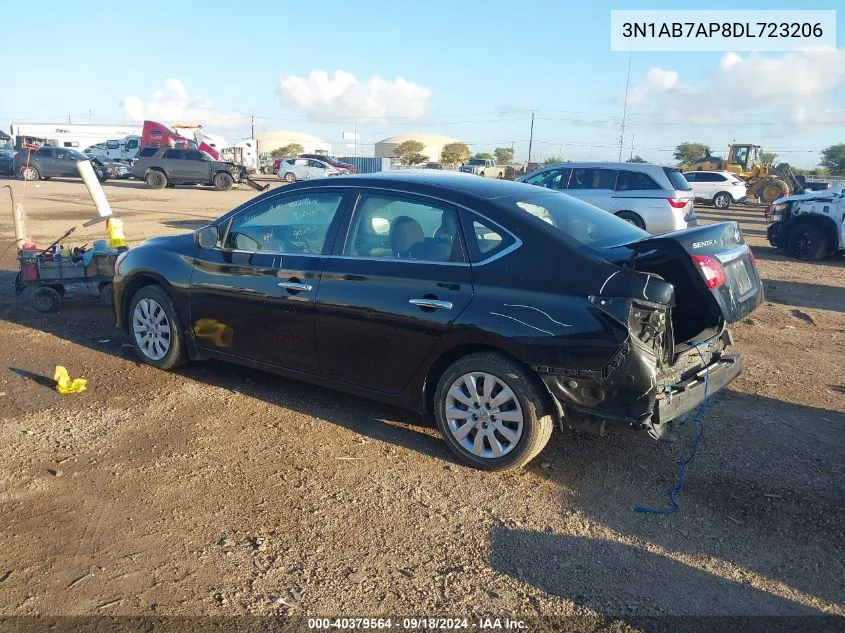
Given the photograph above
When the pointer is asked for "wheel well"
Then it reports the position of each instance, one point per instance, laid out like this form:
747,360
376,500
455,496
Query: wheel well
720,193
825,224
439,367
158,169
134,285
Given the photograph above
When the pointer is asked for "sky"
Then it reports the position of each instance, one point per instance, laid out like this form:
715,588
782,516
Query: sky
472,71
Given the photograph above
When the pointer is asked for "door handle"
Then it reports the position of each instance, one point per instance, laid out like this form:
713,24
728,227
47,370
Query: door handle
432,304
295,286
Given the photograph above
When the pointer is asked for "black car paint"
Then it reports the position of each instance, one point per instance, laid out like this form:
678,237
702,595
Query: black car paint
183,170
356,331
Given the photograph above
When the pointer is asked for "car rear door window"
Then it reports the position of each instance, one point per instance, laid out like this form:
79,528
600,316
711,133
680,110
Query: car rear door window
691,177
147,152
393,227
292,224
635,181
193,155
45,152
173,153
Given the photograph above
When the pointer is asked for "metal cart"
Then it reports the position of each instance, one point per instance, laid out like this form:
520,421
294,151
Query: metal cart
50,275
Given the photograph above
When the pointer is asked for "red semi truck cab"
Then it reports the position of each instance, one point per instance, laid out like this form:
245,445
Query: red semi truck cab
158,135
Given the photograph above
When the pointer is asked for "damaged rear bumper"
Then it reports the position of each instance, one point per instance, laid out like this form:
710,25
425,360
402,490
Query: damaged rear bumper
651,410
687,395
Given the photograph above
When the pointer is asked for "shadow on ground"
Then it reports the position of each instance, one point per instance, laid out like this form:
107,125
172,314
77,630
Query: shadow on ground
805,295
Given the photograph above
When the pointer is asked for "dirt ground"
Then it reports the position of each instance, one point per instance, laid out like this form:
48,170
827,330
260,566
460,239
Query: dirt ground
219,490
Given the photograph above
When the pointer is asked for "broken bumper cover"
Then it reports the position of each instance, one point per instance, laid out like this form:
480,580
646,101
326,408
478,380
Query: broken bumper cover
687,395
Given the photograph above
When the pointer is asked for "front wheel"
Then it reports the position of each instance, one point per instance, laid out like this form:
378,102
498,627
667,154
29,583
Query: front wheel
223,181
30,173
155,329
46,299
722,200
491,412
290,177
807,241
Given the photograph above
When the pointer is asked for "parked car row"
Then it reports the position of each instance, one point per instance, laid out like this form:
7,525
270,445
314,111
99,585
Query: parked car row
326,162
443,293
654,198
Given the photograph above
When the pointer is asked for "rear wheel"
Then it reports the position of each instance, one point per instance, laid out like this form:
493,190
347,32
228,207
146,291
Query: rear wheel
807,241
156,180
633,218
46,299
722,200
491,412
290,177
155,329
30,173
223,181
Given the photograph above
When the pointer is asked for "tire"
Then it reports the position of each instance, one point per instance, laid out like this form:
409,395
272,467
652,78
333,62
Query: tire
771,190
531,420
290,177
156,180
101,175
807,241
147,308
46,299
107,294
30,173
633,218
722,200
223,181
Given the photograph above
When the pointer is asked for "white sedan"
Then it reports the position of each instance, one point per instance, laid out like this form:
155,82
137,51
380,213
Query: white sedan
293,169
719,188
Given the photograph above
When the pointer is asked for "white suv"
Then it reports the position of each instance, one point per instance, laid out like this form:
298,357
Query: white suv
655,198
719,188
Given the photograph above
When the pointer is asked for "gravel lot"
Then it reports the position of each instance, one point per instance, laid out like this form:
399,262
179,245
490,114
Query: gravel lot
219,490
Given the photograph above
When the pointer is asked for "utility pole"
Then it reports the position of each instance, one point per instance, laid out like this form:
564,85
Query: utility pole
68,119
625,107
90,116
252,126
632,144
531,137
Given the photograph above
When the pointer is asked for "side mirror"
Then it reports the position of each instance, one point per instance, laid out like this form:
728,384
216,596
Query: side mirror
206,237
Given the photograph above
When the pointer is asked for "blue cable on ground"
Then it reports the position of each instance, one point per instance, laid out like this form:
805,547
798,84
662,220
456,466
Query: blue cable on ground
682,463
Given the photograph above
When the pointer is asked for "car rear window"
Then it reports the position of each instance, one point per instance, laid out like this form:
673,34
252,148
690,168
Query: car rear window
582,222
677,179
147,152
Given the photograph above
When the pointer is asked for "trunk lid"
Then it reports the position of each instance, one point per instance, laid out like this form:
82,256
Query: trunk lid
718,262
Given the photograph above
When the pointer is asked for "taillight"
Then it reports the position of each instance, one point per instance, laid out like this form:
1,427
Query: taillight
677,204
752,258
712,271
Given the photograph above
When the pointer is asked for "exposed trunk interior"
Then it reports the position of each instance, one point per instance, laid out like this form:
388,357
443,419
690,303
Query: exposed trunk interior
692,319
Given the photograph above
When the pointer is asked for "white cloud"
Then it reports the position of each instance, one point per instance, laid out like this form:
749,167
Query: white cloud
800,87
173,104
324,97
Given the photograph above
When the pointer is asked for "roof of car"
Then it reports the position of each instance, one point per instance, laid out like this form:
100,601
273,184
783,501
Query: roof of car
610,165
445,179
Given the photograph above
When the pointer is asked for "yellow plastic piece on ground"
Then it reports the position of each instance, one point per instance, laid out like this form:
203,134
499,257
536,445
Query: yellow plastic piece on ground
65,385
114,227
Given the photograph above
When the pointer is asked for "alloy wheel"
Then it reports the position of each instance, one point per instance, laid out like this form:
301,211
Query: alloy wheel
722,201
483,415
151,328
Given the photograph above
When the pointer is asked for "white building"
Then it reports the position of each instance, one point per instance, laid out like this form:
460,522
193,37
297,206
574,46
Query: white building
76,135
268,141
433,145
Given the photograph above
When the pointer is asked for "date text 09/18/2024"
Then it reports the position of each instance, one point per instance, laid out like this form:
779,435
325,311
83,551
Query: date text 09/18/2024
413,624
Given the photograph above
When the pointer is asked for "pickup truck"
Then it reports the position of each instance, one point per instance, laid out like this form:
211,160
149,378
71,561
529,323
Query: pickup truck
808,226
160,167
485,167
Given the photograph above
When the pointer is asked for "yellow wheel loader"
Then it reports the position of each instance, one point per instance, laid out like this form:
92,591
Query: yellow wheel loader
745,160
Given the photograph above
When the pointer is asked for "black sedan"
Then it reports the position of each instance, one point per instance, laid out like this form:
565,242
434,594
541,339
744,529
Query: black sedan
499,307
